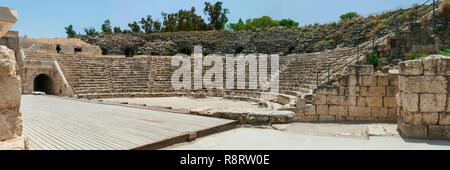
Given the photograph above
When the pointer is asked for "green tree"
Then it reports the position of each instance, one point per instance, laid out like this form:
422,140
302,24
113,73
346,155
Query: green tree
349,16
117,30
147,24
289,23
183,20
217,15
91,31
135,28
70,32
238,26
261,23
106,27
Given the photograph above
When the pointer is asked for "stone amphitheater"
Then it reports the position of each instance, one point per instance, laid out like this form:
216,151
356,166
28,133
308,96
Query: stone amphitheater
336,85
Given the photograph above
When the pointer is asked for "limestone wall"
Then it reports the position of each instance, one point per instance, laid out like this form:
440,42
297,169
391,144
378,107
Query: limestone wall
424,98
10,116
360,95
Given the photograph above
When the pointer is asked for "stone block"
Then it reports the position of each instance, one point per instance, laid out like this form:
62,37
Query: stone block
361,70
10,124
391,91
444,66
392,114
320,99
431,67
377,91
310,118
383,80
369,80
349,101
389,102
329,90
334,100
439,132
412,67
10,93
410,102
393,80
360,111
433,102
8,65
310,109
423,84
353,80
364,91
353,91
375,101
322,109
338,110
407,117
361,101
344,80
444,119
327,118
413,131
20,143
379,112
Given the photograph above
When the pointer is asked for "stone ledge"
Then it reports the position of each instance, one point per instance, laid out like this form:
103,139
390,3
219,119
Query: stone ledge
20,143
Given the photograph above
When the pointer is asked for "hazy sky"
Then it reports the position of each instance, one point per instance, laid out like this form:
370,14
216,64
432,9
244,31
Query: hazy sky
47,18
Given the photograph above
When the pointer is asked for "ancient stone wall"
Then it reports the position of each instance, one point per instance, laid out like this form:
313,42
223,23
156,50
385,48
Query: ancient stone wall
10,116
360,95
424,98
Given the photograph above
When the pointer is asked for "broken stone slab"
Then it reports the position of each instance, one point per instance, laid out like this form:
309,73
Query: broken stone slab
10,123
20,143
8,65
8,17
376,131
10,92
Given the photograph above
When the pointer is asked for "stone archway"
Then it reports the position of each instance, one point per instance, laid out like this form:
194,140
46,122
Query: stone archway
43,83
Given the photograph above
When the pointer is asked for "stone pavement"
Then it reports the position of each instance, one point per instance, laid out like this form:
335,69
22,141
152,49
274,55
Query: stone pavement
300,136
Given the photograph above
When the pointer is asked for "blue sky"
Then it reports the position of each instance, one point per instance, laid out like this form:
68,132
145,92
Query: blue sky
47,18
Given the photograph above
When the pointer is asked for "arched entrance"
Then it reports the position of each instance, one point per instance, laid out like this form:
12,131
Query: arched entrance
43,83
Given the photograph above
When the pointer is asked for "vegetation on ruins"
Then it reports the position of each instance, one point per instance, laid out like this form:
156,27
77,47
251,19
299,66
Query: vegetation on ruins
262,23
91,31
217,15
414,56
373,59
106,27
70,32
349,16
445,51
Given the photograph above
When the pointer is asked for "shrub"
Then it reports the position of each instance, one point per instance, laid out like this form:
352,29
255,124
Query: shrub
349,16
373,59
445,51
413,56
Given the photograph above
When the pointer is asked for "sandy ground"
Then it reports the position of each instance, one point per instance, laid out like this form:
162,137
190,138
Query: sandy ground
189,103
304,136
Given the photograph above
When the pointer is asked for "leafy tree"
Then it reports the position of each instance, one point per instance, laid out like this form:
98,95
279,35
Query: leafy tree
238,26
106,27
91,31
156,26
135,28
289,23
217,15
349,16
147,24
261,23
70,32
117,30
183,20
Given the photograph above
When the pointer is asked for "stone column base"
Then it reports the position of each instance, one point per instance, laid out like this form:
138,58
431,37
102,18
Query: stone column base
20,143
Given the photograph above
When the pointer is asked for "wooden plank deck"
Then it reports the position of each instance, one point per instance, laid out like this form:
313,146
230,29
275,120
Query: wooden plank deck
53,123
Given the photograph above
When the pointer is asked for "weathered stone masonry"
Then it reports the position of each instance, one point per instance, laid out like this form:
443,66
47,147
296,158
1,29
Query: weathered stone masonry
359,95
10,90
424,98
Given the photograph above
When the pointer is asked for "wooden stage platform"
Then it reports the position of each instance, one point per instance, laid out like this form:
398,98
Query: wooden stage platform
53,123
